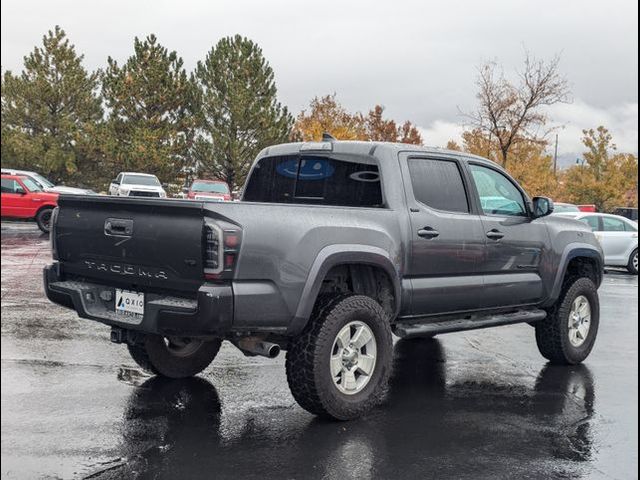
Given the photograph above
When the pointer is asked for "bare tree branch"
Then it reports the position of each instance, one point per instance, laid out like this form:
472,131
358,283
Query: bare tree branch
513,112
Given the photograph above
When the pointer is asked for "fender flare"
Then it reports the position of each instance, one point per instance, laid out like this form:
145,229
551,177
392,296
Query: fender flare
334,255
572,251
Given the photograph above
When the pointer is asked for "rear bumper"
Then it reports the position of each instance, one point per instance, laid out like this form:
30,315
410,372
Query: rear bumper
209,314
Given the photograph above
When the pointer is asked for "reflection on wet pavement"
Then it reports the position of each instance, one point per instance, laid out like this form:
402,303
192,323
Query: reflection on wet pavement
173,428
474,405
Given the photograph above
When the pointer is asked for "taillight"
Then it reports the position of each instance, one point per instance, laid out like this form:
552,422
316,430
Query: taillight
213,254
222,243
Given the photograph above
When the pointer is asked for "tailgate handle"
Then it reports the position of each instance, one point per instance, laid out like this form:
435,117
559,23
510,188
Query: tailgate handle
118,227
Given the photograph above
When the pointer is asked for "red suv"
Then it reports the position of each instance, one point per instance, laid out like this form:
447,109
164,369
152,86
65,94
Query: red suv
216,190
23,198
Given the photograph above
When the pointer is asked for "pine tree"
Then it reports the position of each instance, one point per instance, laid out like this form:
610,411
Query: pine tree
152,112
50,113
240,111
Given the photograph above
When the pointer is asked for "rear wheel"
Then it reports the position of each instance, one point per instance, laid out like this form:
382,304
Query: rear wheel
339,366
174,357
632,266
43,219
568,333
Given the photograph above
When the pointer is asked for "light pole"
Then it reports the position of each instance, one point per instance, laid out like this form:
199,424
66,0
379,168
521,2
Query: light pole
555,158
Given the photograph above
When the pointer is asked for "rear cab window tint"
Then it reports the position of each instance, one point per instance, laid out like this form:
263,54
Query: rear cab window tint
438,184
314,179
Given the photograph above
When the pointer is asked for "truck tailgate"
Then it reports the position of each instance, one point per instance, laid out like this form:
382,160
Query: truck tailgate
139,244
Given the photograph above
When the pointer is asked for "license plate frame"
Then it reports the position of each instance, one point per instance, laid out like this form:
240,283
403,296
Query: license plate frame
129,304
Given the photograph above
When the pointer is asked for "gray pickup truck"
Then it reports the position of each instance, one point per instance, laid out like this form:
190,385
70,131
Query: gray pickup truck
334,246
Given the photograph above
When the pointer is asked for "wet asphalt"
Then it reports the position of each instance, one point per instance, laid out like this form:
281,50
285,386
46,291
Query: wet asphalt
473,405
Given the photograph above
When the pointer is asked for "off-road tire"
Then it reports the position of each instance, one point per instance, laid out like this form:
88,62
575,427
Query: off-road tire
552,333
43,219
633,270
307,363
153,355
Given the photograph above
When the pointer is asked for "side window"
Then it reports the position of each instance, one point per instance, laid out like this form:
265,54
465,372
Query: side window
9,185
498,195
611,224
31,185
592,221
438,184
119,178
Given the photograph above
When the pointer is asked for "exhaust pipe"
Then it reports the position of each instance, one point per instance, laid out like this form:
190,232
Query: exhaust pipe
257,346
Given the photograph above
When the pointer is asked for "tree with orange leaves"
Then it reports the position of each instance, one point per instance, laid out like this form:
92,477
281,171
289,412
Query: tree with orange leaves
326,114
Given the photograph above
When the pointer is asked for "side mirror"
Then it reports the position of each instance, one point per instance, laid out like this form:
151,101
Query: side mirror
115,180
20,191
185,190
542,206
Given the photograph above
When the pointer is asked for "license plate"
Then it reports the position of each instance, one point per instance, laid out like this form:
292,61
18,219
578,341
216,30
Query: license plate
129,304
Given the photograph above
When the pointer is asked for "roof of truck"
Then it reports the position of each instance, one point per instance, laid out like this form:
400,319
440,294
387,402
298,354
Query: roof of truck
138,173
356,147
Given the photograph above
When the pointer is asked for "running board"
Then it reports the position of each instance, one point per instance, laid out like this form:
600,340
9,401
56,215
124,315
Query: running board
459,325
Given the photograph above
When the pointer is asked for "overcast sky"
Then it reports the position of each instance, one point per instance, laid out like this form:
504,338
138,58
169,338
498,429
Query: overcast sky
416,58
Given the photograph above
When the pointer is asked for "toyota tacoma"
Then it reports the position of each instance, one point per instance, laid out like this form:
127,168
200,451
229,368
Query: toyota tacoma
334,247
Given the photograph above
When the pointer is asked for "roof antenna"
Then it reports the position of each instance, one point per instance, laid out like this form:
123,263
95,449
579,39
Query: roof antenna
327,137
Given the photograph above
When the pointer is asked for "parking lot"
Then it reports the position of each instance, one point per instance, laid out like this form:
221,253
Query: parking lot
479,404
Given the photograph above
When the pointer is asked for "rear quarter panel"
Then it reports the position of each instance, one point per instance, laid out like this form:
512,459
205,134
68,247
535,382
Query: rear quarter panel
281,243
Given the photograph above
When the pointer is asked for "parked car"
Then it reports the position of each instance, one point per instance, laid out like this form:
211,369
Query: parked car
23,198
215,190
46,185
334,246
587,208
565,208
617,235
627,212
132,184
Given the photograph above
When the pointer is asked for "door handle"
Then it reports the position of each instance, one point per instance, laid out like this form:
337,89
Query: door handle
118,227
428,232
495,234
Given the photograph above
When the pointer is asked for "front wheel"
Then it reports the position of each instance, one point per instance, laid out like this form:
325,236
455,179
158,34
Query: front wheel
43,219
568,333
339,367
174,357
632,266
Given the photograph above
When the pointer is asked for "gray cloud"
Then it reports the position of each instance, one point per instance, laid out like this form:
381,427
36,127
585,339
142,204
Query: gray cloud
417,58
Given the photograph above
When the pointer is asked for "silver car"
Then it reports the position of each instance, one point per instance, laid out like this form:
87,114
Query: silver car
617,235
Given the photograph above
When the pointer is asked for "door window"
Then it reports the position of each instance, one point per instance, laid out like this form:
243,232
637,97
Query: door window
592,221
438,184
498,195
9,185
31,185
611,224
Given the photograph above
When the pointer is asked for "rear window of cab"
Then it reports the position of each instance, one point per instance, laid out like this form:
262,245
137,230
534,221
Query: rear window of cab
317,180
